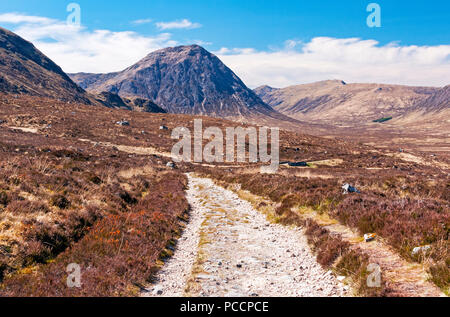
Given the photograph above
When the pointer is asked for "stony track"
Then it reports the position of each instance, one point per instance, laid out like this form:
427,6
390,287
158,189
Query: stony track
230,249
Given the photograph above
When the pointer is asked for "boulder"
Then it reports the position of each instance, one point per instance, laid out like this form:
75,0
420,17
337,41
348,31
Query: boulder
123,123
350,189
170,164
421,249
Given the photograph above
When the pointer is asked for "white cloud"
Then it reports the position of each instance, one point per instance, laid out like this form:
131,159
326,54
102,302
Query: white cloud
77,49
179,24
352,60
142,21
16,18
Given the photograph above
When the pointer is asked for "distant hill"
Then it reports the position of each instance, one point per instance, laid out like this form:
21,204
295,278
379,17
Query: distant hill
25,70
338,103
186,80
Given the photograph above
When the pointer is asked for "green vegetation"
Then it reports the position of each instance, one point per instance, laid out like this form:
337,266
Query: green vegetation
381,120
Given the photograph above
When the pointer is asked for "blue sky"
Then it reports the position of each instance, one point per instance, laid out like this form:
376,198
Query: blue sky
260,23
248,35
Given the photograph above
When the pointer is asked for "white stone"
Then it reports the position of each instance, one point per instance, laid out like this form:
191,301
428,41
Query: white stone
421,249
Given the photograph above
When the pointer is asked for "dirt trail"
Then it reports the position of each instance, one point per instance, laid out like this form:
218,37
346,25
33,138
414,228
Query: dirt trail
230,249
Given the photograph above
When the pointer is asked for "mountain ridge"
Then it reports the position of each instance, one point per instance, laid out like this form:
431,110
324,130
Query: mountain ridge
336,102
26,70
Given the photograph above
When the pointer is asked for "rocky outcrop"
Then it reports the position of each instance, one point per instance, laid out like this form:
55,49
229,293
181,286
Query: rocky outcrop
112,100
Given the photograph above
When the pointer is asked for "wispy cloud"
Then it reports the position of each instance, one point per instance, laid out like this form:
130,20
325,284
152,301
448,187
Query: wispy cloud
200,42
179,24
16,18
351,59
142,21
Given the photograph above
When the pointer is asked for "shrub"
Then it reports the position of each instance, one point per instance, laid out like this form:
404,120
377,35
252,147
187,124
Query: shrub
27,207
327,247
354,264
59,201
91,177
118,251
440,275
3,268
4,199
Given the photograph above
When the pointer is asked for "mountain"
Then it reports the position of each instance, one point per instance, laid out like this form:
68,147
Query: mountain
338,103
184,79
25,70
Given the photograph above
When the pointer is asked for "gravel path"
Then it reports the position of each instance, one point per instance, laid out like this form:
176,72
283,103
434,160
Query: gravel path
230,249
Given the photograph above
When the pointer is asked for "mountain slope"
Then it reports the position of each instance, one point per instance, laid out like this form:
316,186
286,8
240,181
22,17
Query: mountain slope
184,79
335,102
111,100
440,100
25,70
433,111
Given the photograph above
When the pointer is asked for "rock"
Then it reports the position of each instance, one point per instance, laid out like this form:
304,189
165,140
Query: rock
163,127
350,189
370,237
158,290
170,164
340,278
239,265
204,277
123,123
423,249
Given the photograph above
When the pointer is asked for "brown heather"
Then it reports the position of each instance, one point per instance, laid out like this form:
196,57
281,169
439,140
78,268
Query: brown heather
75,187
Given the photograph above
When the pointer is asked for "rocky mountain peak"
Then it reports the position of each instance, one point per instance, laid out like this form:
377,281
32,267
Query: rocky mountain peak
182,79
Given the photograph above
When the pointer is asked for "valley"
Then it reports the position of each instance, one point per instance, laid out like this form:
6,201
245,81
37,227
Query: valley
91,148
88,176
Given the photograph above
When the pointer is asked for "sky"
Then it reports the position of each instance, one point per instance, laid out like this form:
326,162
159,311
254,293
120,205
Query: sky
273,42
